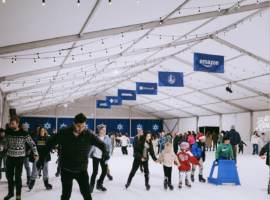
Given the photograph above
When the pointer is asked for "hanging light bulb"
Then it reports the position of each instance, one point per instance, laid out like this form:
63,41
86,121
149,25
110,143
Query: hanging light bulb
38,56
196,37
147,37
238,5
160,37
219,8
172,37
43,2
110,2
257,1
15,59
250,19
179,12
72,57
102,42
260,14
81,48
54,59
106,51
199,10
3,1
122,36
59,53
120,46
90,54
12,61
34,61
142,27
78,3
138,1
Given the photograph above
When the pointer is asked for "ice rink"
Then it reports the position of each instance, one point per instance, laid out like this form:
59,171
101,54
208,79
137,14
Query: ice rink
253,173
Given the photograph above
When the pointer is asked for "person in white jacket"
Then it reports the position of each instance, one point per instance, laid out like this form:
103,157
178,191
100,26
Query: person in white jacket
255,141
124,140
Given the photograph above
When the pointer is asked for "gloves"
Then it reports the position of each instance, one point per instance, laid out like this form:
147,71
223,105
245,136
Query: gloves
216,160
105,156
40,164
203,159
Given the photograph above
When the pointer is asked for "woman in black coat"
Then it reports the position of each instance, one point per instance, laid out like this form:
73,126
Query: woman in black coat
141,157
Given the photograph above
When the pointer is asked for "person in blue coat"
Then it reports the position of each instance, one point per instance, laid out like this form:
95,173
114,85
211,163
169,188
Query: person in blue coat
96,155
162,141
235,139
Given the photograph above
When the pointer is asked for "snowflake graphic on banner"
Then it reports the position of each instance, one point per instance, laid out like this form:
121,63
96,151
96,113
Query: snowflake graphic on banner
119,127
139,126
86,126
47,125
28,125
155,127
61,125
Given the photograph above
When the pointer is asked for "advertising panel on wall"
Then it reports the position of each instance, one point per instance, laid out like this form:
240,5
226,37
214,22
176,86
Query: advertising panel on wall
48,122
67,122
147,125
116,125
261,123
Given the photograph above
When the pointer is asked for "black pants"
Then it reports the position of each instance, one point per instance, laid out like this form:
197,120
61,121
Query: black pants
124,150
167,173
96,162
67,181
135,167
14,164
175,149
214,145
241,149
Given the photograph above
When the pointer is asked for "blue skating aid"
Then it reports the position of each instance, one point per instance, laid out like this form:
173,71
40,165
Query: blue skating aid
227,173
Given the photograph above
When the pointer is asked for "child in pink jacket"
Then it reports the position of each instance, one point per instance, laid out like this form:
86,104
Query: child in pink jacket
191,139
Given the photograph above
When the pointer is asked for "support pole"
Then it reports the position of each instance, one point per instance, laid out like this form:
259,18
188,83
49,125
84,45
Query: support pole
197,124
4,109
220,123
95,114
130,122
56,118
251,124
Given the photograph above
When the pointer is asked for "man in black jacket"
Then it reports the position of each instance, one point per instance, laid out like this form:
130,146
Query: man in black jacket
76,142
265,150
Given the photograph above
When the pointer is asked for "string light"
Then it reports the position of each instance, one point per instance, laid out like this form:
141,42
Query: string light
78,3
102,42
196,37
72,57
12,61
81,48
199,10
147,37
120,46
260,14
54,59
3,1
160,22
160,37
43,2
15,59
179,12
257,1
34,61
122,36
110,2
219,8
142,27
138,1
172,37
59,53
38,56
238,5
250,19
90,54
106,51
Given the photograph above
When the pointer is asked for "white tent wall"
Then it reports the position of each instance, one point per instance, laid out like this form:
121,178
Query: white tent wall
187,124
88,108
209,121
171,123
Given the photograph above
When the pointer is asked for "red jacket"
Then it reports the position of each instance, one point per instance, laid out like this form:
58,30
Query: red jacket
185,158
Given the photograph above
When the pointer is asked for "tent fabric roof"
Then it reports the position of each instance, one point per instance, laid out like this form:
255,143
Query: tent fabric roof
95,49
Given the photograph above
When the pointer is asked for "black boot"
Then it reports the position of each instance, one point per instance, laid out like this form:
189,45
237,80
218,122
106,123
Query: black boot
165,184
180,185
100,187
109,177
31,184
268,189
47,185
28,180
192,178
92,188
127,184
9,196
201,179
187,183
170,186
57,172
147,186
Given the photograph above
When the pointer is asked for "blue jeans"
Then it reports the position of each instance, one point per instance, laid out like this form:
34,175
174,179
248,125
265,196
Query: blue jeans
255,148
161,148
26,166
222,158
35,171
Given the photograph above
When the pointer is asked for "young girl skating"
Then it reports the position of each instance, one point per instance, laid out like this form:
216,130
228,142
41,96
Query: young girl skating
185,158
167,156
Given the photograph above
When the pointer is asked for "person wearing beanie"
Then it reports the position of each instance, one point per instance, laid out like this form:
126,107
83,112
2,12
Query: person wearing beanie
235,139
185,157
96,155
168,157
224,150
198,150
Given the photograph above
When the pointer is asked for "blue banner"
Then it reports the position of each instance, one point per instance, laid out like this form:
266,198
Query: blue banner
171,79
127,94
208,63
68,122
116,125
146,125
103,104
146,88
114,101
48,122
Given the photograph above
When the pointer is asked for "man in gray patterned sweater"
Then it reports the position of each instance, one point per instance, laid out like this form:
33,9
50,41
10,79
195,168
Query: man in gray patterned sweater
17,140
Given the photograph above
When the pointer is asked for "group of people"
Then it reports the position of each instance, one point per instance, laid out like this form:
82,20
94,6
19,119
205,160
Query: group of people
76,144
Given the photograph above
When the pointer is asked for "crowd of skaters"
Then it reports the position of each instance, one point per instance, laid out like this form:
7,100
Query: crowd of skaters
75,144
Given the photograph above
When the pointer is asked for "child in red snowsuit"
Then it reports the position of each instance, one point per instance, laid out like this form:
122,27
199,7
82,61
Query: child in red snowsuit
185,157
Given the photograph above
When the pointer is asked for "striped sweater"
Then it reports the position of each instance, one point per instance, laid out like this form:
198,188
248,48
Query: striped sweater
17,142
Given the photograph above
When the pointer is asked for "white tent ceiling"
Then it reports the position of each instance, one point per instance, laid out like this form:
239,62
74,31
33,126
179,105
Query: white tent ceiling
103,48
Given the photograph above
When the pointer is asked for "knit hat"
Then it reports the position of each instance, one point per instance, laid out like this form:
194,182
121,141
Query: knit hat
176,134
101,126
200,136
232,127
185,145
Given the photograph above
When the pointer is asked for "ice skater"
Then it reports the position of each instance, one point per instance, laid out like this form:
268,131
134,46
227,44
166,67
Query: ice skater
142,149
185,157
265,150
241,147
168,157
224,150
76,142
198,150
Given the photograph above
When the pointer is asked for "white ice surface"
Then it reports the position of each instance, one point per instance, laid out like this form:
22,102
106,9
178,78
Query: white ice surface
253,173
